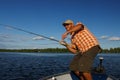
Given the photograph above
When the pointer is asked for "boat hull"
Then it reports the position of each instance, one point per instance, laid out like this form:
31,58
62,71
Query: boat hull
72,76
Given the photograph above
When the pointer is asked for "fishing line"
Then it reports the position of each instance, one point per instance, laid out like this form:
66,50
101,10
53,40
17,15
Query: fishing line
19,29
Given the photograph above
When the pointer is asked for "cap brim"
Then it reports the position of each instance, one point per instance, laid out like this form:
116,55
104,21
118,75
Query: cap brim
64,24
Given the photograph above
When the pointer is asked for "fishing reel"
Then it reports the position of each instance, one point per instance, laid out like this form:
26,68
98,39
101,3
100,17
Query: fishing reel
63,43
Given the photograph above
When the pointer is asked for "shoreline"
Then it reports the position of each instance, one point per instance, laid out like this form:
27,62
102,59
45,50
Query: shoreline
58,50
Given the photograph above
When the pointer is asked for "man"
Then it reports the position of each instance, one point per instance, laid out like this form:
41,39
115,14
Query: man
84,45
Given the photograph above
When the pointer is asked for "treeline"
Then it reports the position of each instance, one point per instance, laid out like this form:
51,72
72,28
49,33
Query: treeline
47,50
56,50
111,50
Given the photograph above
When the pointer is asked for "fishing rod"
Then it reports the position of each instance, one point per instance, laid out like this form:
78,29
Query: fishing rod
9,26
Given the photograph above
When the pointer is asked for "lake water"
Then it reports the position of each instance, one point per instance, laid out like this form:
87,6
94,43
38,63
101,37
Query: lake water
33,66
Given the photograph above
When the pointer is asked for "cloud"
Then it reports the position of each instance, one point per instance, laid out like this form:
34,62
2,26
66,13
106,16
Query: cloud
41,38
38,38
8,27
13,38
6,38
4,35
114,38
52,37
104,37
2,46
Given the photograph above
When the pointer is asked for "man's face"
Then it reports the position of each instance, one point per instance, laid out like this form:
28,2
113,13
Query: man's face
68,27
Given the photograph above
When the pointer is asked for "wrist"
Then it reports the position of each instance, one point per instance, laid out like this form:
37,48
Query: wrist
67,45
66,32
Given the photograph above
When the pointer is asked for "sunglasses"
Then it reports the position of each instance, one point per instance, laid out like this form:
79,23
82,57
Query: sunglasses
65,24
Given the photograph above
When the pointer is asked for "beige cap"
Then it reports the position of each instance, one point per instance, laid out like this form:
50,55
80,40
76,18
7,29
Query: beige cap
67,22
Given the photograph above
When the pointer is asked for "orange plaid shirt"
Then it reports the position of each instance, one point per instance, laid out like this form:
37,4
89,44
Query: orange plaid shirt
84,40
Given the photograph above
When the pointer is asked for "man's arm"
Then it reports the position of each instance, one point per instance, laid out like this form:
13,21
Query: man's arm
71,47
74,51
76,28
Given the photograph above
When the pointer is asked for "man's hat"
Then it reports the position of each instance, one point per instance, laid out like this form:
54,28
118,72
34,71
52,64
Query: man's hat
67,22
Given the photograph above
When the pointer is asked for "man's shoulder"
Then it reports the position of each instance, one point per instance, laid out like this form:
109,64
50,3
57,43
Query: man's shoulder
79,23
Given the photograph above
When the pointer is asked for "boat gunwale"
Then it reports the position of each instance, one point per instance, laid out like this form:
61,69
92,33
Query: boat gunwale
68,72
54,75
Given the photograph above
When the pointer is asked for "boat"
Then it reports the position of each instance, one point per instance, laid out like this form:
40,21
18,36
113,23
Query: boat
98,73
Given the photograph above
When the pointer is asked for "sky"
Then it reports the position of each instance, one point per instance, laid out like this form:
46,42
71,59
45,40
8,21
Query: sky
45,17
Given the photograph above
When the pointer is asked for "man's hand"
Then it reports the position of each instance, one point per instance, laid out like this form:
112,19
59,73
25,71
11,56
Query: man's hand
64,35
63,43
